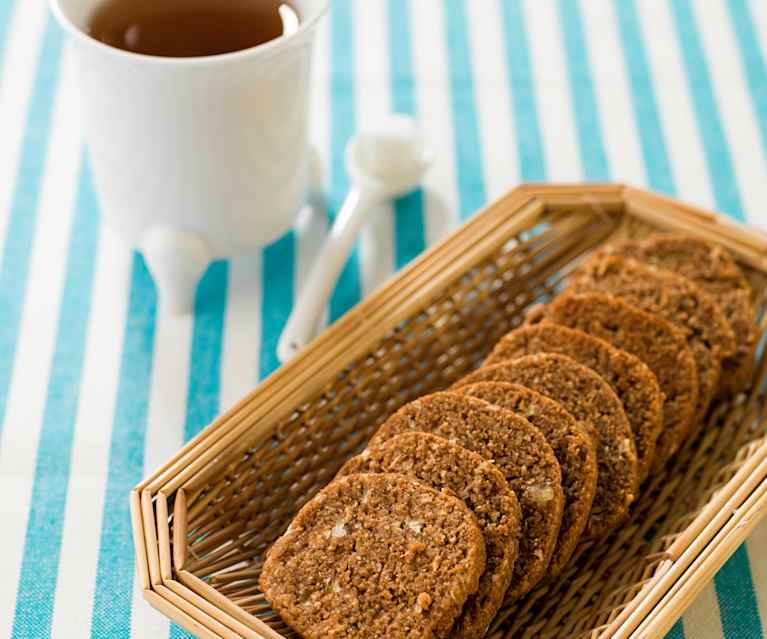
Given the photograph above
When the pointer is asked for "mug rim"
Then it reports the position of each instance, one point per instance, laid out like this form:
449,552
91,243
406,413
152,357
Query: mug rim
258,50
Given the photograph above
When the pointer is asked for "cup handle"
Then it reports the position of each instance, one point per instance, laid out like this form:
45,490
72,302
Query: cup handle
176,259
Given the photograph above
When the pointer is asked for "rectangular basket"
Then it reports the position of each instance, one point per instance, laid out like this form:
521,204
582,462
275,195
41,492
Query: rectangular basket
202,521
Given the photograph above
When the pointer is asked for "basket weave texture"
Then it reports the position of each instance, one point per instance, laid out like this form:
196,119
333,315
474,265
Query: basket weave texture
203,521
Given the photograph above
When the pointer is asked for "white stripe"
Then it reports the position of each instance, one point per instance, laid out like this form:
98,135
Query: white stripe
685,148
319,98
498,141
555,106
759,16
376,248
241,340
35,346
701,620
164,430
612,92
757,553
146,622
427,27
310,232
311,227
17,75
372,97
735,106
91,444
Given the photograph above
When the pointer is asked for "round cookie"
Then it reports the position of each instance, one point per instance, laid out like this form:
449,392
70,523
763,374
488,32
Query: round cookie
574,446
653,340
633,382
520,452
586,396
375,555
445,465
674,298
713,268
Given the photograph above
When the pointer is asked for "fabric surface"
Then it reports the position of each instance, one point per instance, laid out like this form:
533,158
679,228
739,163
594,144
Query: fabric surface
98,385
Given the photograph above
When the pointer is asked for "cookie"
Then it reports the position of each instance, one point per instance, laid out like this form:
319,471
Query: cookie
653,340
520,452
674,298
375,556
447,466
633,382
589,398
574,446
712,268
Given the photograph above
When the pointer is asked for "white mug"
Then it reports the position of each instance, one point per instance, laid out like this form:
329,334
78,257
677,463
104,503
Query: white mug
196,158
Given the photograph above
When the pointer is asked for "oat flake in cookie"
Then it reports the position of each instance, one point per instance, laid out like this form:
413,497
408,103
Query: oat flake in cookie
520,452
653,340
375,556
633,382
574,446
674,298
589,398
713,268
445,465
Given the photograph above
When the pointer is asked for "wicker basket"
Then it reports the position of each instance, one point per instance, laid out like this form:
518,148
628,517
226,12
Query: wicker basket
203,520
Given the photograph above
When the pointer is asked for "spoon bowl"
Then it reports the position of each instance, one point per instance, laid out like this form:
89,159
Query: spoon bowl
389,160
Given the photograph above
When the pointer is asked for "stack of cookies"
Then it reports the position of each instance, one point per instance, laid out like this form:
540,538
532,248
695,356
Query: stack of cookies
464,500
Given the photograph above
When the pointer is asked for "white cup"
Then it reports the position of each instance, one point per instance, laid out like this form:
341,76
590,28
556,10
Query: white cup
196,158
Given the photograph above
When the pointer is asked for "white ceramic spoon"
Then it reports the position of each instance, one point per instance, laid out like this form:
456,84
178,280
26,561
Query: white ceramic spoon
383,163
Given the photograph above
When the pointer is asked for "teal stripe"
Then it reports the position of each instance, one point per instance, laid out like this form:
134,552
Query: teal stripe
468,159
589,128
205,356
177,632
348,290
14,267
707,114
409,233
277,299
677,631
401,57
738,609
654,151
114,576
42,547
532,164
753,61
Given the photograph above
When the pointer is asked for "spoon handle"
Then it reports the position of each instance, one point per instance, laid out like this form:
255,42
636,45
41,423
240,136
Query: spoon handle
302,324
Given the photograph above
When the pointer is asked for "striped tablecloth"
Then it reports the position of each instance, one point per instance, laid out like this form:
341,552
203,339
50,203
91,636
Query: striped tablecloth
98,385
